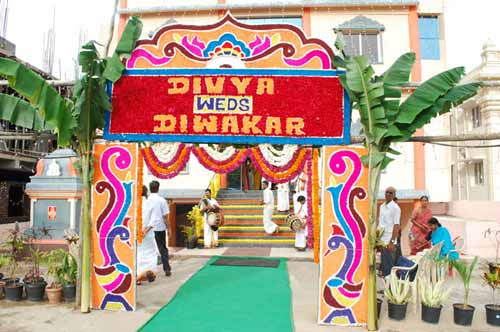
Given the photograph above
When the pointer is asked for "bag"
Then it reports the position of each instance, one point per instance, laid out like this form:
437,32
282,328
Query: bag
405,262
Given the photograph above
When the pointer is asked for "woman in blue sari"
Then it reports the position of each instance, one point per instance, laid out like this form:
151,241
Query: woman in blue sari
441,234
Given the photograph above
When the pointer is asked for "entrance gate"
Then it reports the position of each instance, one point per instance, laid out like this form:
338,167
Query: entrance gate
233,83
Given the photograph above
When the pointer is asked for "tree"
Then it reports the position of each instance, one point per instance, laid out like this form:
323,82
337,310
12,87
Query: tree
75,121
386,120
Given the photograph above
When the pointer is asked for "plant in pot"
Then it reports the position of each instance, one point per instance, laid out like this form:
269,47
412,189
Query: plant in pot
464,312
14,246
54,290
4,261
398,294
67,273
189,235
492,279
34,283
433,295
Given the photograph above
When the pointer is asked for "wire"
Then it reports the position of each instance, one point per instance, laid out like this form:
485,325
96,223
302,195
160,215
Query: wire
464,146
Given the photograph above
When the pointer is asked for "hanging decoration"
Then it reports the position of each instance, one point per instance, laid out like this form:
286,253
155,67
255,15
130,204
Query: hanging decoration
277,157
315,203
309,202
169,168
220,162
280,174
140,168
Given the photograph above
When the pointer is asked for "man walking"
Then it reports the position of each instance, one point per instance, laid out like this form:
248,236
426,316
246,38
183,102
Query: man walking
389,222
157,211
269,226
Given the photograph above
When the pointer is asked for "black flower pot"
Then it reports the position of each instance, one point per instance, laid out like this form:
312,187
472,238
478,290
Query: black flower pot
463,316
492,314
14,292
69,293
35,291
379,307
431,314
1,275
397,311
9,281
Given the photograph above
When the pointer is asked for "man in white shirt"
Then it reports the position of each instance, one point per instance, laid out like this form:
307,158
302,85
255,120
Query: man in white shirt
300,210
389,221
269,226
157,212
210,236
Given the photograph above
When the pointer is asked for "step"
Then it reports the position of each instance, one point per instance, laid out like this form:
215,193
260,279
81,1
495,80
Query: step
251,211
269,242
252,228
250,222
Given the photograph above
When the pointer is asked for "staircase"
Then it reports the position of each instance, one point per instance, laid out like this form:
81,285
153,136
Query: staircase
243,227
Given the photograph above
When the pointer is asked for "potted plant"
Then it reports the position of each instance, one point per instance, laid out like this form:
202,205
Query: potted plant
34,283
14,246
494,237
4,261
54,261
433,294
398,294
492,279
190,238
196,223
464,312
68,271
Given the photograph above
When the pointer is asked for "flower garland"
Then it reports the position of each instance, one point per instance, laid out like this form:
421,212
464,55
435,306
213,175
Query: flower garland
171,168
227,153
140,167
280,174
309,202
276,157
220,166
315,204
165,151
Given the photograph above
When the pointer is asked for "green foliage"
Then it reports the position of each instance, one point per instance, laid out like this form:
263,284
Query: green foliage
397,291
465,273
44,109
62,266
14,245
4,260
384,117
188,232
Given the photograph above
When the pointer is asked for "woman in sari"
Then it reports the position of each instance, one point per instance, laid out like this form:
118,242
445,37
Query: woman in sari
441,234
147,257
420,229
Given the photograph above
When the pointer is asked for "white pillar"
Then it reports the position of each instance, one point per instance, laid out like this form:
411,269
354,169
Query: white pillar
32,211
72,213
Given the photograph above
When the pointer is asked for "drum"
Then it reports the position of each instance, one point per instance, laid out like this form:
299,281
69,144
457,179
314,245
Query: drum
294,222
213,219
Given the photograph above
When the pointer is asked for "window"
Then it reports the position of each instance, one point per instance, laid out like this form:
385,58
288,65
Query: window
476,117
428,27
364,43
478,173
297,21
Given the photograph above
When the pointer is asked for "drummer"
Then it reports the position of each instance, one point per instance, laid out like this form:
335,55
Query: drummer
301,234
209,204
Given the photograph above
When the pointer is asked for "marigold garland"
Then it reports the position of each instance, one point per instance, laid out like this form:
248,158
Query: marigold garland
315,204
168,163
280,174
156,167
225,166
309,201
140,166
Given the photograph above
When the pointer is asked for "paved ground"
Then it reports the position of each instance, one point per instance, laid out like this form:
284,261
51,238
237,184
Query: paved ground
24,317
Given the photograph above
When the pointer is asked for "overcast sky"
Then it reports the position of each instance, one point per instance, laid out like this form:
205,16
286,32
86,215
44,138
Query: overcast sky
468,25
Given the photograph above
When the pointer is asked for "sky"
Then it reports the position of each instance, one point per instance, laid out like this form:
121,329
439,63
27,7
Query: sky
468,24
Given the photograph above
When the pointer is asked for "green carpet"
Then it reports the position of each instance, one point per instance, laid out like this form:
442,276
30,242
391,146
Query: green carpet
229,299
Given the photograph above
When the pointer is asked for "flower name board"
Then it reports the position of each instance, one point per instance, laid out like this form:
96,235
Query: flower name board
275,106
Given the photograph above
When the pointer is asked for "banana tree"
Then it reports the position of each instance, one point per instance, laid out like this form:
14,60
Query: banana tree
75,120
386,119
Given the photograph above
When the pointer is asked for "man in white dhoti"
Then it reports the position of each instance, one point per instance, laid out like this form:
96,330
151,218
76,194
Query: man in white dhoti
269,226
210,235
283,197
300,210
147,257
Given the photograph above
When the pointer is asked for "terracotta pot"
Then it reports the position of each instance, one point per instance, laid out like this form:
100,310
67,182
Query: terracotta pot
54,295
